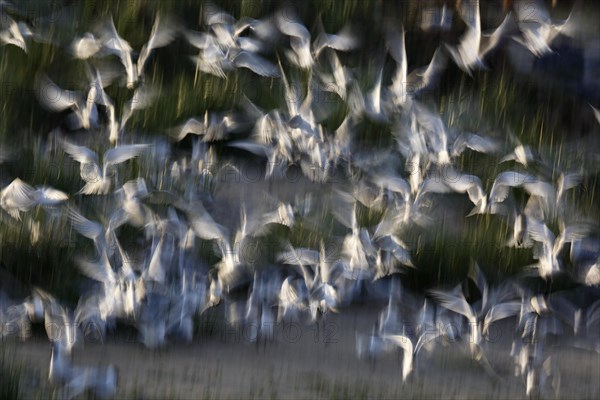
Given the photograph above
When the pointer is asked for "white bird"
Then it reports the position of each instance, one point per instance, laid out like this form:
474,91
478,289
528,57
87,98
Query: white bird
517,219
532,185
596,113
566,181
466,54
538,319
98,81
425,79
495,305
98,181
85,47
552,246
112,303
397,48
156,270
103,236
214,127
434,133
474,47
60,325
13,32
212,60
371,104
455,181
163,33
338,80
75,380
116,45
293,299
142,98
259,313
521,154
538,30
301,52
474,142
406,344
34,305
591,273
18,196
132,209
324,296
455,301
256,64
52,97
344,40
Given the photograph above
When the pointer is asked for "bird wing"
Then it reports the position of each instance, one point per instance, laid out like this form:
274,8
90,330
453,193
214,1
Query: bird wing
455,303
156,270
47,195
142,98
204,225
505,180
163,33
111,39
541,189
540,232
394,183
425,78
395,43
89,229
394,245
476,143
433,185
256,64
289,25
200,40
192,125
596,113
18,194
80,154
100,270
299,256
406,344
571,180
252,147
123,153
53,97
345,210
344,40
501,311
492,41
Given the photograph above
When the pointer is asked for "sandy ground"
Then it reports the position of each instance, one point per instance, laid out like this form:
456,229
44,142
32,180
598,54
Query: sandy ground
301,362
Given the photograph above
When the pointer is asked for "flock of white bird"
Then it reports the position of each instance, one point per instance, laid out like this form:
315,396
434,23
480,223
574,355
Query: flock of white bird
162,284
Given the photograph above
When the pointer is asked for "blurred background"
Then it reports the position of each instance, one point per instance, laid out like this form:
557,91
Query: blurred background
546,102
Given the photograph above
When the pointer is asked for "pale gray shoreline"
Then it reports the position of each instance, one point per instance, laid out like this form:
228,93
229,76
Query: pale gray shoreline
299,364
